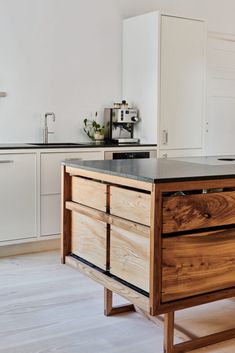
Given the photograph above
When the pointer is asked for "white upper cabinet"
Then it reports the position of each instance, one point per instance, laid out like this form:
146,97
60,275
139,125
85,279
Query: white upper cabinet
182,83
164,77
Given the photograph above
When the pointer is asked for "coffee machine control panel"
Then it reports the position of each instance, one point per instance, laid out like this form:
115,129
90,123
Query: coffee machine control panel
125,116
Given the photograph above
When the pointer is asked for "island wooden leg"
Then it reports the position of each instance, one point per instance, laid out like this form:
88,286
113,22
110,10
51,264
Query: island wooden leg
66,194
194,342
169,332
109,310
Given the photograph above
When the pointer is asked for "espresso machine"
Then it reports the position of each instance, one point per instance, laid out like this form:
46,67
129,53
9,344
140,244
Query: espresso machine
119,123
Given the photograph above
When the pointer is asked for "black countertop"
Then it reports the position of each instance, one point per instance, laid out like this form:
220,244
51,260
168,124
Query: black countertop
15,146
162,170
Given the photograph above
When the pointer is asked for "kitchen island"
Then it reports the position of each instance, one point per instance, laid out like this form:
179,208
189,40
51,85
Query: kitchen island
158,232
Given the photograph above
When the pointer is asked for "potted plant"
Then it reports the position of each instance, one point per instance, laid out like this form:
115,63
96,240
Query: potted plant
93,129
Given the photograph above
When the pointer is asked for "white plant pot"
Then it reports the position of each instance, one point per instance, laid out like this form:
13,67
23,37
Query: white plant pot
99,137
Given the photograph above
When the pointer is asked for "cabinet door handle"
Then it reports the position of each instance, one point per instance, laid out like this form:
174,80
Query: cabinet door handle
165,137
5,161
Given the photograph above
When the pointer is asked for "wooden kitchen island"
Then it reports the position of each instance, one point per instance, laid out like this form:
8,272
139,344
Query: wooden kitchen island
158,232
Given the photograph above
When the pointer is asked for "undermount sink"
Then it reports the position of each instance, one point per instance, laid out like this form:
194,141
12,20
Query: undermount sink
56,144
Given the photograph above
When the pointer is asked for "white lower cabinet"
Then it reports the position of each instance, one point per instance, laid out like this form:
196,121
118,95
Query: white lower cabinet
30,192
17,196
51,168
50,214
180,153
51,187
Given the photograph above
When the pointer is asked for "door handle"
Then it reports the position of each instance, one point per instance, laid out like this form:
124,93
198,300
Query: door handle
5,161
165,137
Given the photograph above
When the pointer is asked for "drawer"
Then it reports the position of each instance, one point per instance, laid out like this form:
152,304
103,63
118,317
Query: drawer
182,213
129,257
197,263
51,168
89,193
89,239
129,204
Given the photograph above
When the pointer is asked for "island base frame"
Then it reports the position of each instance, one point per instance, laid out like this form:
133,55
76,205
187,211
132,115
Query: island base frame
152,306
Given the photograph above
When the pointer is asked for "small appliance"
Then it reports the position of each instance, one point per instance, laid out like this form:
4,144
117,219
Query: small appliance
119,123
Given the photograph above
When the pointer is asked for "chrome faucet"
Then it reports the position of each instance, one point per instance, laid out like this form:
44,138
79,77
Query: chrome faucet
45,129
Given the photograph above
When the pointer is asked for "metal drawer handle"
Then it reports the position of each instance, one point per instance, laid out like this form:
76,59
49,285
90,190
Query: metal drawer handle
6,161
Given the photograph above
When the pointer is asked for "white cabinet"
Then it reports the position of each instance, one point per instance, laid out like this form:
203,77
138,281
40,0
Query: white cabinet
51,187
179,153
164,78
50,214
17,196
51,168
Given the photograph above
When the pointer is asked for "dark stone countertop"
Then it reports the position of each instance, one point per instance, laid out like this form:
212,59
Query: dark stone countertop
16,146
161,170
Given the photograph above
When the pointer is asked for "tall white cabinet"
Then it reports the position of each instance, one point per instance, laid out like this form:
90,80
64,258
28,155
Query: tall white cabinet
163,77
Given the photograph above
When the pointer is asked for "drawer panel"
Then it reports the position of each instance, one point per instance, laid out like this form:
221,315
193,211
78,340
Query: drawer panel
50,215
51,168
129,204
89,239
197,211
89,193
129,257
197,263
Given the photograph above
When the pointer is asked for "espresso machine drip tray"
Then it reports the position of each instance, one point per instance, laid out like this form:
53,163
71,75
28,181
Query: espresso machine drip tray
126,141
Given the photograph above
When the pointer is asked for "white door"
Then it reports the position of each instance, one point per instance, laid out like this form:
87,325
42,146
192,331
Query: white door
221,95
17,196
182,83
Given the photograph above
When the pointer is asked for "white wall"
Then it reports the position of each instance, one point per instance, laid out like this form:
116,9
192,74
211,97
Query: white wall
65,56
56,55
218,14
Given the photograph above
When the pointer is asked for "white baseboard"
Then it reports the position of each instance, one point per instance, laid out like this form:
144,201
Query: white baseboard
27,248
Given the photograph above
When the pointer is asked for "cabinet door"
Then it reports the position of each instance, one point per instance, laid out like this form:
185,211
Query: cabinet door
180,153
51,168
17,196
51,187
182,83
50,214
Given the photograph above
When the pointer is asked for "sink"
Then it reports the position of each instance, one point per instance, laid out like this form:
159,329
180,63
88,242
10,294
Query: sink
55,144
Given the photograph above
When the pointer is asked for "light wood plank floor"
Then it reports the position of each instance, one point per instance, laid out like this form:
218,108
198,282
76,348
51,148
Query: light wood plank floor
46,307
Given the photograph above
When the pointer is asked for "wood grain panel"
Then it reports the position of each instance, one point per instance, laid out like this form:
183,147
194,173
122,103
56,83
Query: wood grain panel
198,263
65,214
130,294
189,212
130,204
107,218
134,183
130,257
89,239
89,193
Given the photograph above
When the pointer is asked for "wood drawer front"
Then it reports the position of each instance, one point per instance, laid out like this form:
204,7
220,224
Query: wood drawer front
129,204
89,193
89,239
189,212
129,257
197,263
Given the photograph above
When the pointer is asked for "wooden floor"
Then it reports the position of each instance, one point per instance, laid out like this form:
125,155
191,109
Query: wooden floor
49,308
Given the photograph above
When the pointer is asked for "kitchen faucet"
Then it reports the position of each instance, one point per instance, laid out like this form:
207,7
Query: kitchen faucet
45,130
